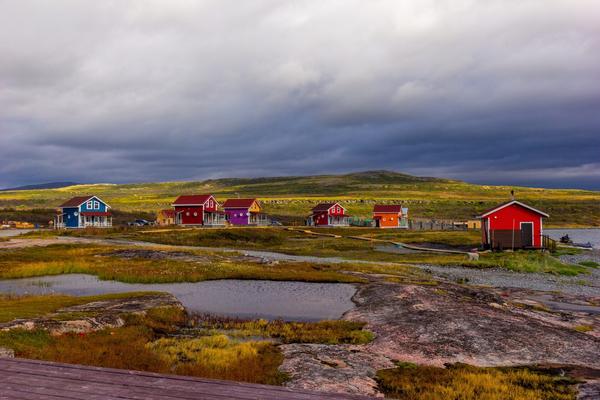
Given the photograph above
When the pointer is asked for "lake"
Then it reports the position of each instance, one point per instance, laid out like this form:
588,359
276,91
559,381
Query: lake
298,301
577,235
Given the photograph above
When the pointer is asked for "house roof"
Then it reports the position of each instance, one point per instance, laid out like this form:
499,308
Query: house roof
510,203
323,206
75,201
191,200
387,208
239,203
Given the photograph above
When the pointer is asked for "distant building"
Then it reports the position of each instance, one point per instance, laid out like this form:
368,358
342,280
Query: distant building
512,225
474,224
245,212
83,212
165,217
197,210
328,214
390,216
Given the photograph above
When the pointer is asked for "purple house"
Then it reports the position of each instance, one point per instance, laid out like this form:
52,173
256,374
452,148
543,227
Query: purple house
244,212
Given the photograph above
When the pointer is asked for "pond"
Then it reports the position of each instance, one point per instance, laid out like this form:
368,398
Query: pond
581,236
297,301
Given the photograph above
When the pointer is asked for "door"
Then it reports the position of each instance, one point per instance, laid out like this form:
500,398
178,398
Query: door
527,234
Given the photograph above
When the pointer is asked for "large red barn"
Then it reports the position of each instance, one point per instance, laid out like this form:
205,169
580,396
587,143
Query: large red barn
512,225
197,209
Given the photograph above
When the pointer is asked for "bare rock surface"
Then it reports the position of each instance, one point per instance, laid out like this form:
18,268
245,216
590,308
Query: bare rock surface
444,323
450,323
93,316
333,368
6,353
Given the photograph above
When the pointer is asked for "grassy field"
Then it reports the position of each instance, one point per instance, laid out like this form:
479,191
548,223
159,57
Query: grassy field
460,381
296,243
291,198
96,260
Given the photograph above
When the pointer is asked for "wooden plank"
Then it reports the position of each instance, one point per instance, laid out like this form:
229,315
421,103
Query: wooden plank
77,389
86,382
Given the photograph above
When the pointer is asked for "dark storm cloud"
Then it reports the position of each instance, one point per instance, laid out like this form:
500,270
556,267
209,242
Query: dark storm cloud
494,91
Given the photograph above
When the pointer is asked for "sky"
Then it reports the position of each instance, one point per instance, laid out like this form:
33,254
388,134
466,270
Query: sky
494,92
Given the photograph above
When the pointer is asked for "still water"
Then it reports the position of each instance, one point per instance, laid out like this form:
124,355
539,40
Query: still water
299,301
577,235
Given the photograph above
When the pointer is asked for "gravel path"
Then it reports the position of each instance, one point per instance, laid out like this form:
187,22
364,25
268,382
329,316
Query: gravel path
585,285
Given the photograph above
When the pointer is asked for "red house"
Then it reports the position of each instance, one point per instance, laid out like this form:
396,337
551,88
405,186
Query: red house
197,209
328,214
512,225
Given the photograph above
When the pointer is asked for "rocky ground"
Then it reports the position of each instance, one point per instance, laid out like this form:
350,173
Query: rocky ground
446,323
93,316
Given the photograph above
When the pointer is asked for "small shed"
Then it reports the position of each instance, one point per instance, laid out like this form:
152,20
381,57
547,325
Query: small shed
512,225
328,214
390,216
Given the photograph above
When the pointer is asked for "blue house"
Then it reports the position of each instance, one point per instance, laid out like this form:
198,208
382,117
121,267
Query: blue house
83,212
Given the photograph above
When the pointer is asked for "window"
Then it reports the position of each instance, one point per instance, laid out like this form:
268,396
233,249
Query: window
96,205
89,205
195,214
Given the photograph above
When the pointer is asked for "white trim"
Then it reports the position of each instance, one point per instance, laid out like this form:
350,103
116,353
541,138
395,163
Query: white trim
510,204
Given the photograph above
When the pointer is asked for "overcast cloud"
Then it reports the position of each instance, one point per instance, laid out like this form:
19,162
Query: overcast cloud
121,91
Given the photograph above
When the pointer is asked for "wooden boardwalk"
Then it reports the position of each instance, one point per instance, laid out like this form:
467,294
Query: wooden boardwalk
36,380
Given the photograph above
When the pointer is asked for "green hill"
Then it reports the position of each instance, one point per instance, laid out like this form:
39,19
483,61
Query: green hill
292,197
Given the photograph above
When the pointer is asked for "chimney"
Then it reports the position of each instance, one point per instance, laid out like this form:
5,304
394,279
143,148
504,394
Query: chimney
512,195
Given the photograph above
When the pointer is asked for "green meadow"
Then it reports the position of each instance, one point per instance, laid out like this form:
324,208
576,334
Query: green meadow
291,198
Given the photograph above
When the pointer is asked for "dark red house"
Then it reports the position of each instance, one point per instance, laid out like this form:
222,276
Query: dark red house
328,214
197,209
512,225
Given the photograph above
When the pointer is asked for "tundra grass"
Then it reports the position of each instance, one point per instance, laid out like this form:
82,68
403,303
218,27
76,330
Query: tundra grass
460,381
92,259
15,307
142,345
325,332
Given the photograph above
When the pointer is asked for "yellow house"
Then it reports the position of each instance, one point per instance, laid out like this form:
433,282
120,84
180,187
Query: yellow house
165,217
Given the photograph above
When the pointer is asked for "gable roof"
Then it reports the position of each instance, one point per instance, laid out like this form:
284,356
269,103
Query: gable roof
510,203
326,206
239,203
79,200
387,208
191,200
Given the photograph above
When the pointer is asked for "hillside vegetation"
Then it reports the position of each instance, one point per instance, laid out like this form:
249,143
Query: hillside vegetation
291,198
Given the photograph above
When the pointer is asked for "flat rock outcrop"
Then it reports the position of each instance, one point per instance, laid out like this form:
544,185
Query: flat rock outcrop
95,315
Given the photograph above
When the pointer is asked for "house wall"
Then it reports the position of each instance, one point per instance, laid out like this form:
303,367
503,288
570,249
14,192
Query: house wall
187,214
237,216
320,218
102,206
509,219
69,218
336,210
388,220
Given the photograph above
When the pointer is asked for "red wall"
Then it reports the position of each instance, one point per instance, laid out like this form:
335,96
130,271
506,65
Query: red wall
503,220
190,219
321,218
336,210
